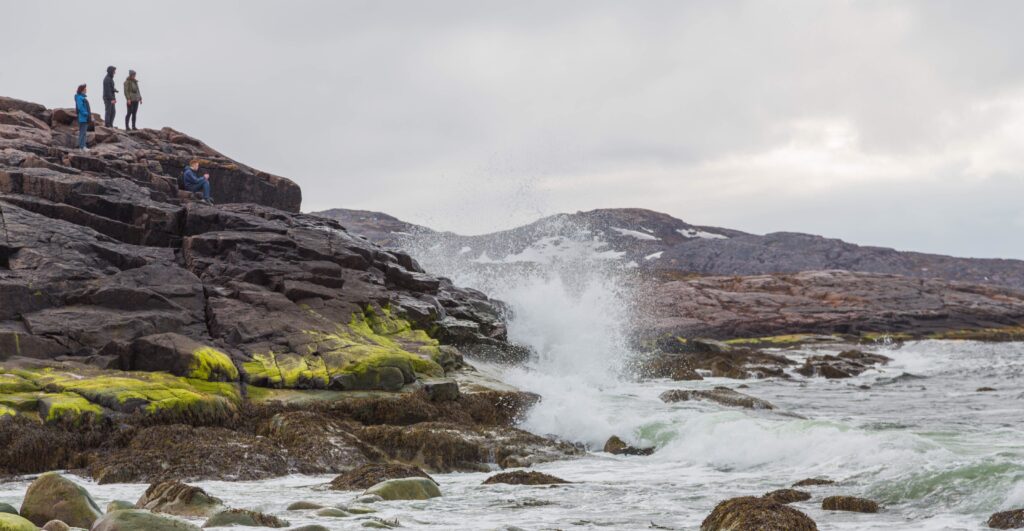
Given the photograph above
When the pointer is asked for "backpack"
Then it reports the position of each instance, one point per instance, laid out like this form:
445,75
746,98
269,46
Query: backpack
181,179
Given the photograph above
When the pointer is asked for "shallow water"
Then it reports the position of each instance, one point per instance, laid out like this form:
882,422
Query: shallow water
935,452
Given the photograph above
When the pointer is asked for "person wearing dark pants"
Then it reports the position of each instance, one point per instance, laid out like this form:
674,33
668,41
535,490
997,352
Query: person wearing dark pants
84,115
133,97
109,97
195,183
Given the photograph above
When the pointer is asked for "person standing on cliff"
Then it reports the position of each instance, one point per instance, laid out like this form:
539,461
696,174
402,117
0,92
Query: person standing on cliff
195,183
109,97
133,97
84,115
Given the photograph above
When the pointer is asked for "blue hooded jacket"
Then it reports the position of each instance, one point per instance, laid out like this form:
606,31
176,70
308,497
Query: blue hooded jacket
191,179
82,106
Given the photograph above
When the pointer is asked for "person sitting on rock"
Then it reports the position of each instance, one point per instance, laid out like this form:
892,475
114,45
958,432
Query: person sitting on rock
195,183
84,115
133,97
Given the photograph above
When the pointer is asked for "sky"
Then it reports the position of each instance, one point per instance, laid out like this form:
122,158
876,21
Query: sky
888,123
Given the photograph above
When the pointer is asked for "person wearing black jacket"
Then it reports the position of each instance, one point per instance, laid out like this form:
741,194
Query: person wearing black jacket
109,97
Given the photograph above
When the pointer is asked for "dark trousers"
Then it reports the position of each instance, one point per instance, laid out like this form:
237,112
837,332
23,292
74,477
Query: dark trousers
108,115
83,128
201,186
133,109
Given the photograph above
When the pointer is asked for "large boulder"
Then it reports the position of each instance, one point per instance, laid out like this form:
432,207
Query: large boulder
1007,520
749,513
405,489
54,497
244,517
366,476
13,522
140,520
174,497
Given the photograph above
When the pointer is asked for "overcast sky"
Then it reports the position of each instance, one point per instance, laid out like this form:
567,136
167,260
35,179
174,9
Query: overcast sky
890,123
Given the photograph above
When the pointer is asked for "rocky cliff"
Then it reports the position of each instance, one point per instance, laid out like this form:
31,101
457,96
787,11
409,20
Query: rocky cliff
121,297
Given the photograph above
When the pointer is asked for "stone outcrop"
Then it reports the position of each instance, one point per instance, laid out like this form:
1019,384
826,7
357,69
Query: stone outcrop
849,503
366,476
616,446
787,495
1007,520
174,497
846,364
54,497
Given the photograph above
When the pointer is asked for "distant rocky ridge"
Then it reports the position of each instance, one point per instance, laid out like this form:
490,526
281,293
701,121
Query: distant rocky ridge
661,243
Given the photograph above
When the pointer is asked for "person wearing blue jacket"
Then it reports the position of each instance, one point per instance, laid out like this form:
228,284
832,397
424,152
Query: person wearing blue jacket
195,183
84,115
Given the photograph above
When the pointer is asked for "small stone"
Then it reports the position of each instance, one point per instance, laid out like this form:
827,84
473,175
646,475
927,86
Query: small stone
56,525
1007,520
8,508
360,509
617,446
332,512
985,389
849,503
405,489
369,498
441,390
304,505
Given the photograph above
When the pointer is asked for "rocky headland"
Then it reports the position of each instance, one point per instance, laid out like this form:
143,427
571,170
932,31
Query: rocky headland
145,335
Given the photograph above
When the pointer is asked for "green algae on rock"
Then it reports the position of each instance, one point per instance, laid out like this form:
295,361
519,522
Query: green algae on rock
13,522
54,497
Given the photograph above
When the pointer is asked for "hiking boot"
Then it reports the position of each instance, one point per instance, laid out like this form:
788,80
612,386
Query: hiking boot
208,201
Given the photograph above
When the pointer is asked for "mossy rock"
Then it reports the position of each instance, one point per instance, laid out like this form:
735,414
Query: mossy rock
142,392
849,503
747,513
8,508
140,520
244,517
182,356
54,497
332,512
366,476
373,351
13,522
12,383
68,408
56,525
405,489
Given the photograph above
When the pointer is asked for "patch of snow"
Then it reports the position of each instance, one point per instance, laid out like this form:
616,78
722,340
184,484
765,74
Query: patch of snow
465,250
635,233
694,233
653,256
631,265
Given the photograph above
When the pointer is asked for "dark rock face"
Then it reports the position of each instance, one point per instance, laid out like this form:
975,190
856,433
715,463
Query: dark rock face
849,503
721,395
677,360
523,477
366,476
738,514
1007,520
813,482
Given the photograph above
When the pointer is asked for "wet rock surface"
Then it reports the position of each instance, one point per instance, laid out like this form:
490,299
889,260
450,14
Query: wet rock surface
54,497
846,364
1007,520
720,395
787,495
174,497
366,476
739,514
524,477
405,489
616,446
849,503
813,482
